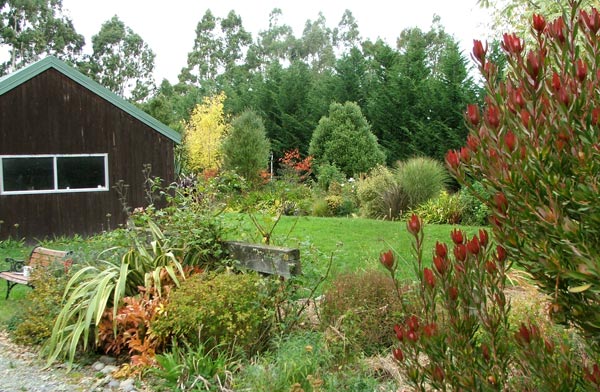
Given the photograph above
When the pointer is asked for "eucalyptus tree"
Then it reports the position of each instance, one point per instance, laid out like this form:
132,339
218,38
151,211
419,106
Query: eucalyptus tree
31,29
121,61
316,46
347,34
272,45
204,58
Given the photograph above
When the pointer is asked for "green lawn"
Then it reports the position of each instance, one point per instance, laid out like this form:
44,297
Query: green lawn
354,243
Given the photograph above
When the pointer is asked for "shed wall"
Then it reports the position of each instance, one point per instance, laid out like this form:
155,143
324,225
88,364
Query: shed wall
52,114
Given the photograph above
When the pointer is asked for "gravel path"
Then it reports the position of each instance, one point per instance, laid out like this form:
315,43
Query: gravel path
22,370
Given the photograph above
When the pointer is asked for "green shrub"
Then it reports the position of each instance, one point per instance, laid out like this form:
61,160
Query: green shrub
421,179
246,148
33,323
224,309
444,209
369,191
474,211
363,307
343,138
298,362
328,174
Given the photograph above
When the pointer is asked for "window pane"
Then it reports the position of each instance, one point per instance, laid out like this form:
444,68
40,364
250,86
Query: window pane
27,174
80,172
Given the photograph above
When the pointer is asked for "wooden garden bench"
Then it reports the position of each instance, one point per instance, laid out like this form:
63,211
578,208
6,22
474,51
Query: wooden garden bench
39,257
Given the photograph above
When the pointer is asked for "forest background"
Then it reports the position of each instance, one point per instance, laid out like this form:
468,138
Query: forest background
413,93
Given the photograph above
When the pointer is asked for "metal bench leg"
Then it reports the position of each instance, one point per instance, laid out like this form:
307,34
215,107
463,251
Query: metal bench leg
9,287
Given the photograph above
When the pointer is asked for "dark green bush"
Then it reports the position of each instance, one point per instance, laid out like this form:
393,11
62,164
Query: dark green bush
225,309
363,307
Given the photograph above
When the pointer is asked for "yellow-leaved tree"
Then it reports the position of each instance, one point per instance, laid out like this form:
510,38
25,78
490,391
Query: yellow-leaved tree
204,133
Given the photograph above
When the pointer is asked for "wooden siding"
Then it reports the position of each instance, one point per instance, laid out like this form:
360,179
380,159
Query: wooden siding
52,114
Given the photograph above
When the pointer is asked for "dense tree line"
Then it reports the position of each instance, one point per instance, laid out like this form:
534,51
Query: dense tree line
412,94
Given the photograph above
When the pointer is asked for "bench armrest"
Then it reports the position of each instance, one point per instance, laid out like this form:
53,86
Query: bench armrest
15,265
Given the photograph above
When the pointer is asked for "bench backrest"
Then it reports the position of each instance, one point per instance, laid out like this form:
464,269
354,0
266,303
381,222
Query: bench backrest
43,257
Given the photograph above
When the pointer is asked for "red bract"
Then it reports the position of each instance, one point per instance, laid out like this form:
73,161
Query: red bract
592,22
512,44
460,252
430,329
473,246
556,29
453,293
483,237
533,64
412,323
525,116
595,115
472,142
500,201
479,51
510,140
387,259
492,116
556,81
539,23
452,159
457,236
438,374
412,336
440,264
473,114
500,253
414,224
399,332
441,249
485,350
398,354
464,154
519,97
563,96
523,335
429,277
490,267
581,70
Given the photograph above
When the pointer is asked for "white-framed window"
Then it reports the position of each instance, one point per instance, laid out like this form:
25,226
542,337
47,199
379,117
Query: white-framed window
53,173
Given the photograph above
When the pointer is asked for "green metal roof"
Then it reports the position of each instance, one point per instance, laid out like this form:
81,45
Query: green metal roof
14,79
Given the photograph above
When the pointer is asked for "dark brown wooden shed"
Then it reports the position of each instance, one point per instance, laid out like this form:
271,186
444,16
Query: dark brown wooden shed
65,141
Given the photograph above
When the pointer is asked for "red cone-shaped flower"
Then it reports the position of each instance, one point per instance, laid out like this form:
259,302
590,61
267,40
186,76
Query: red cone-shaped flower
387,259
414,224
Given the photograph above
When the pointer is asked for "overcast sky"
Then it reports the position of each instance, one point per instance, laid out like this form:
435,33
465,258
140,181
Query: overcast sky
169,26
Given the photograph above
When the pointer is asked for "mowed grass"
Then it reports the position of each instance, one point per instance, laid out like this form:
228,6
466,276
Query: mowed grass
353,243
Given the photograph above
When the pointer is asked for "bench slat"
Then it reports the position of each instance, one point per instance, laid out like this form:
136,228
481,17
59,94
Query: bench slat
16,277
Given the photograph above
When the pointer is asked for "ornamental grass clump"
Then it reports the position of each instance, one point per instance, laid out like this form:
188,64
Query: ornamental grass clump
535,148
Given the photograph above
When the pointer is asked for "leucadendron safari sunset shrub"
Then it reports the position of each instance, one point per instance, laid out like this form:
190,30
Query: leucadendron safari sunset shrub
461,333
535,148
